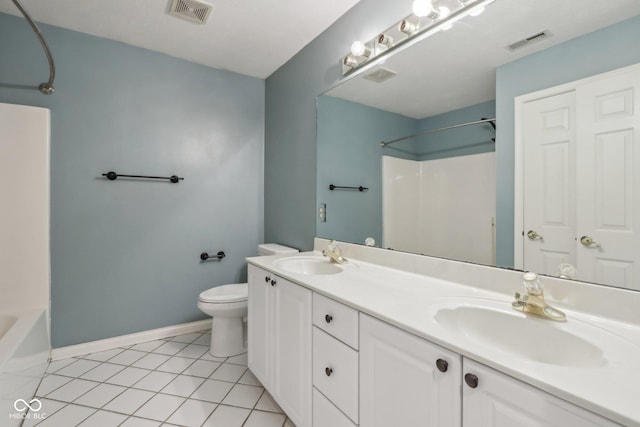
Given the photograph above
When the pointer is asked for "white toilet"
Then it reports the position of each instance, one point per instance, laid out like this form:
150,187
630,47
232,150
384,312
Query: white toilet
227,304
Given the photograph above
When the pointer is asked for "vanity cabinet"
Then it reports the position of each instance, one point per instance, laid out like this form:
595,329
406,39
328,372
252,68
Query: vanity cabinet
279,341
406,380
493,399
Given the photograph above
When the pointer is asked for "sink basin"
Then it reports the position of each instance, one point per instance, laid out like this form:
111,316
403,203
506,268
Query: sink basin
495,324
308,265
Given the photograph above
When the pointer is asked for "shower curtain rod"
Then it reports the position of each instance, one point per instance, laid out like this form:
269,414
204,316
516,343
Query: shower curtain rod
384,144
46,88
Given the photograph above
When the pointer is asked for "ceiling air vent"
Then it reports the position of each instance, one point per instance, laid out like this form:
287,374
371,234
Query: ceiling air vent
191,10
380,75
520,44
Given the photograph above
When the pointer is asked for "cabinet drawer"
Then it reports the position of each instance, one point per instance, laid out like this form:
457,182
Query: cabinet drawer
335,372
336,319
325,414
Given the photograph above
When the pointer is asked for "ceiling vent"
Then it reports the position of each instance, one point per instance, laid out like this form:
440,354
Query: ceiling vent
538,37
191,10
380,75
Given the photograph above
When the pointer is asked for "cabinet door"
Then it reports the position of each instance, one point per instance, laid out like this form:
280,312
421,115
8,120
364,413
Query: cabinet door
292,350
400,383
502,401
259,324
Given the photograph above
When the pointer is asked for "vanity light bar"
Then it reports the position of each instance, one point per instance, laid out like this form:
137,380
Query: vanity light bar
413,28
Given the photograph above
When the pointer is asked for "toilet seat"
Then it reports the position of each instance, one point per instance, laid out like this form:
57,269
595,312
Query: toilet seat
236,292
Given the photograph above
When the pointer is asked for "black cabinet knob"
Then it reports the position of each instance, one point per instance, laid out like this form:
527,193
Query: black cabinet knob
328,318
328,371
442,365
266,279
471,380
273,282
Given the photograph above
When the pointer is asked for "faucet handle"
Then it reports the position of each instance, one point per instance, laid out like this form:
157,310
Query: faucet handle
531,283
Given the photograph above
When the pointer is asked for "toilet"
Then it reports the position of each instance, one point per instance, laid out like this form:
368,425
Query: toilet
227,304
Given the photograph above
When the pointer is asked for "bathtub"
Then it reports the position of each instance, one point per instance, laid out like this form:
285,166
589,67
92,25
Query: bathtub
24,355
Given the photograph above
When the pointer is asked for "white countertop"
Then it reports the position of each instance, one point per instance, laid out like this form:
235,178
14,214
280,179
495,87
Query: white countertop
405,300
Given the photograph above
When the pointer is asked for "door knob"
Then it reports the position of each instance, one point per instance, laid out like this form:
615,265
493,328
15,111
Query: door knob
532,235
588,242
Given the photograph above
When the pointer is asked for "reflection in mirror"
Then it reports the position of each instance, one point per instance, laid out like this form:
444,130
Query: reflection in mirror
450,193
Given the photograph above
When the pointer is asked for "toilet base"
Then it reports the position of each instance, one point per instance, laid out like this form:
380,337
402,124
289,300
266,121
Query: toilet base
227,337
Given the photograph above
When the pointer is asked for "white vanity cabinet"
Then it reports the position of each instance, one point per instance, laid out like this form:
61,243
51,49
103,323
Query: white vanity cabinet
493,399
406,380
279,341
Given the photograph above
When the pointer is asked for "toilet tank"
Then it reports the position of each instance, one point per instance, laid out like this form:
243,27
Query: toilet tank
275,249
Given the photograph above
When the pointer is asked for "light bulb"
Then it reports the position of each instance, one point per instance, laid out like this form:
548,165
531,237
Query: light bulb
443,12
360,49
477,12
422,7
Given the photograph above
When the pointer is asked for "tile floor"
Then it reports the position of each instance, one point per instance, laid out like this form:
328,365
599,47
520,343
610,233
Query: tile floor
168,382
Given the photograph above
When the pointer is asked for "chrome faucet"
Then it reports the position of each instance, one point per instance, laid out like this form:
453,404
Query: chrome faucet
334,253
532,301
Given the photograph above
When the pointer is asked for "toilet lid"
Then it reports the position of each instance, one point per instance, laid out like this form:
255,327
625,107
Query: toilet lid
226,293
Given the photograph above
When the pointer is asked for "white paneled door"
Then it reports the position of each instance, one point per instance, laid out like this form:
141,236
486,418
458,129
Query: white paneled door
582,180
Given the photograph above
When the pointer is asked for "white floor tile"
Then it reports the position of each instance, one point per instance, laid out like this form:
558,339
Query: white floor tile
103,356
100,396
202,368
266,403
203,340
160,407
49,407
170,348
249,379
194,351
245,396
192,413
183,385
70,415
128,376
229,372
59,364
147,346
212,391
240,359
50,383
127,357
155,381
186,338
77,368
72,390
264,419
103,419
102,372
175,365
151,361
139,422
227,416
129,401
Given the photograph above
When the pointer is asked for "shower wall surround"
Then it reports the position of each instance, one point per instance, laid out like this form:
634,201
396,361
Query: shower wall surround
125,254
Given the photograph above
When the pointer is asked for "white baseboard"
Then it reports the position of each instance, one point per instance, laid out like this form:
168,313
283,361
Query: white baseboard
130,339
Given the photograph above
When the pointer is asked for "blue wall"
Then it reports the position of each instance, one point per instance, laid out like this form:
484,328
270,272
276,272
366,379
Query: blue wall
125,254
290,132
349,154
598,52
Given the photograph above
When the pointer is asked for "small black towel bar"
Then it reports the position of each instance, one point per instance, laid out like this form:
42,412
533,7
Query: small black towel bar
205,256
338,187
112,176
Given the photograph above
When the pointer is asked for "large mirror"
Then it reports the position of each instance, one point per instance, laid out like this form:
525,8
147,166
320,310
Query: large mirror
450,191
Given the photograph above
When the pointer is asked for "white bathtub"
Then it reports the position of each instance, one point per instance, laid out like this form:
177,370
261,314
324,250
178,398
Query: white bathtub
24,354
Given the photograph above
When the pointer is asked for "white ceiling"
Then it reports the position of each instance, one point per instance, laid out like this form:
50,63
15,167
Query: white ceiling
457,68
252,37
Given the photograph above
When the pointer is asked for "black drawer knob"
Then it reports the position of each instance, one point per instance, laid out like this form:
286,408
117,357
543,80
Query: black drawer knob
442,365
471,380
266,279
328,371
273,282
328,318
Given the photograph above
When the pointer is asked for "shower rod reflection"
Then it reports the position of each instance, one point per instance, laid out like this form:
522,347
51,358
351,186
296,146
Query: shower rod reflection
112,176
46,88
404,138
340,187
